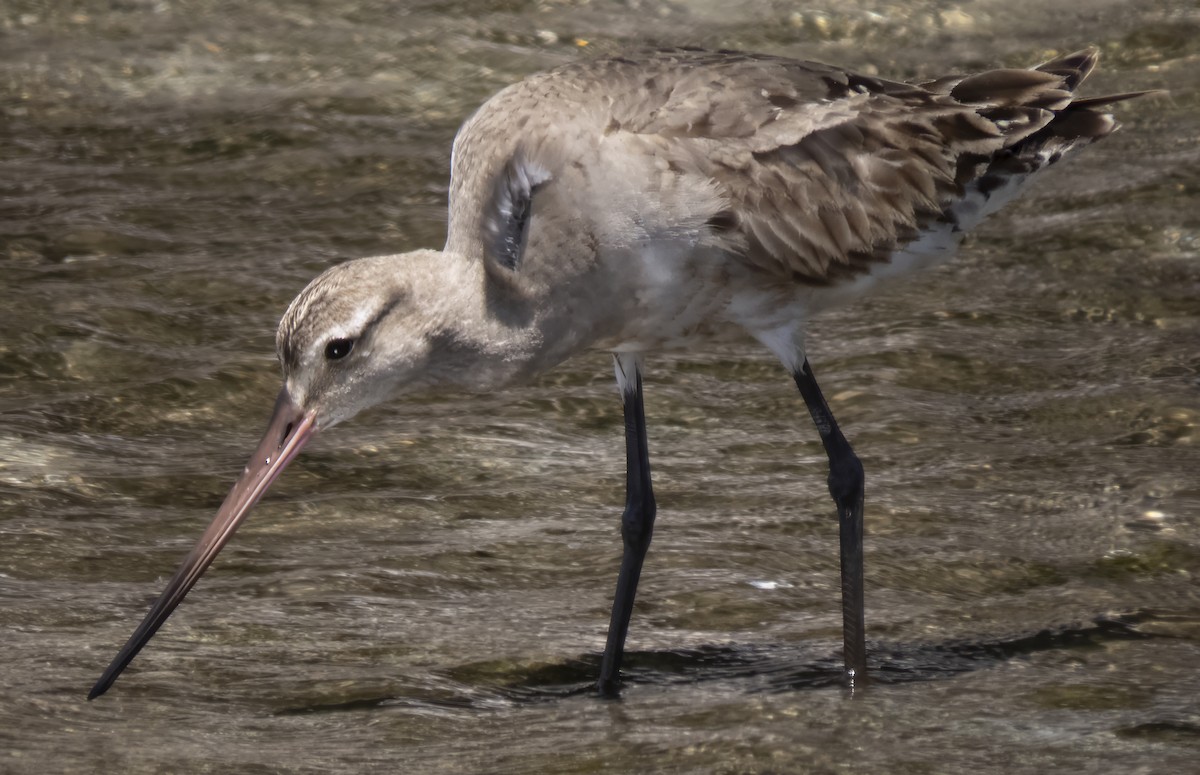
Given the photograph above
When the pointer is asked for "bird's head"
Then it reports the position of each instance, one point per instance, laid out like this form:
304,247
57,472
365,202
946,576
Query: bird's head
357,334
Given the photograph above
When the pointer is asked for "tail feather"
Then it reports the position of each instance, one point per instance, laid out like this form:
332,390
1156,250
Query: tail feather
1066,122
1073,68
1048,87
1081,121
1009,88
1093,102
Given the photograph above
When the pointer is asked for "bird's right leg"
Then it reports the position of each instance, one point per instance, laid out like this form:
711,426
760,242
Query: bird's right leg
846,487
637,523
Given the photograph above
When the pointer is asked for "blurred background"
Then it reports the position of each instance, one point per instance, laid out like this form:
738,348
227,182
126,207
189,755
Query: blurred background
427,589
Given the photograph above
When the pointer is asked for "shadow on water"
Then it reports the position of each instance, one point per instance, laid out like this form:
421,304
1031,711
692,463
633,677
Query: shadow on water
771,669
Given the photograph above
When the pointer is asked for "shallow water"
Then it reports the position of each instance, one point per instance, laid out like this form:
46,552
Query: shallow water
427,589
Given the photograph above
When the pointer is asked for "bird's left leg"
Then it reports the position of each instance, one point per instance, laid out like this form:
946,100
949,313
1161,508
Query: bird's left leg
637,523
846,487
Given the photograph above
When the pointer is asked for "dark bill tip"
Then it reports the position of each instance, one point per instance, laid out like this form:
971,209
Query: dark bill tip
288,431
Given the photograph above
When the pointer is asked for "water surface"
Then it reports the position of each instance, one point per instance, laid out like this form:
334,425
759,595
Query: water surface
427,589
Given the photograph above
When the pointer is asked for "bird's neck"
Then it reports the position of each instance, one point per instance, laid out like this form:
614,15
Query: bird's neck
486,336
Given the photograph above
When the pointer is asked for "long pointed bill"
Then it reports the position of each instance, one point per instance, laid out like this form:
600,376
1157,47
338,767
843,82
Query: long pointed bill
290,428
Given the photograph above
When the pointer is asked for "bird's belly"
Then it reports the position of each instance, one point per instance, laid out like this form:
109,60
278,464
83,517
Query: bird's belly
672,336
684,300
674,327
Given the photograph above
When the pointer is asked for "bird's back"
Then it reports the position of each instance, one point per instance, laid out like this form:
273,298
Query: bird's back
796,174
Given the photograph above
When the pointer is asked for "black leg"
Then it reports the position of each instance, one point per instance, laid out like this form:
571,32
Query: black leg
637,525
846,487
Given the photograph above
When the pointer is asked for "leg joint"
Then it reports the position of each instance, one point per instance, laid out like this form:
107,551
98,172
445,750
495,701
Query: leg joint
637,523
846,478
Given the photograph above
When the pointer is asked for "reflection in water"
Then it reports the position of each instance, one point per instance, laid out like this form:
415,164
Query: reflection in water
171,177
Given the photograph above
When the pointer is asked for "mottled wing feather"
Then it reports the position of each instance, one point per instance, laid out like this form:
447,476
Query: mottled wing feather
825,171
814,173
730,95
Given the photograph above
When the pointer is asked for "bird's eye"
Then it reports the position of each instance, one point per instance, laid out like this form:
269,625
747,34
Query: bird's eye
337,349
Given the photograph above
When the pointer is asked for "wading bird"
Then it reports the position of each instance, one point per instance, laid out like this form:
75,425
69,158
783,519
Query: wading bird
661,201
